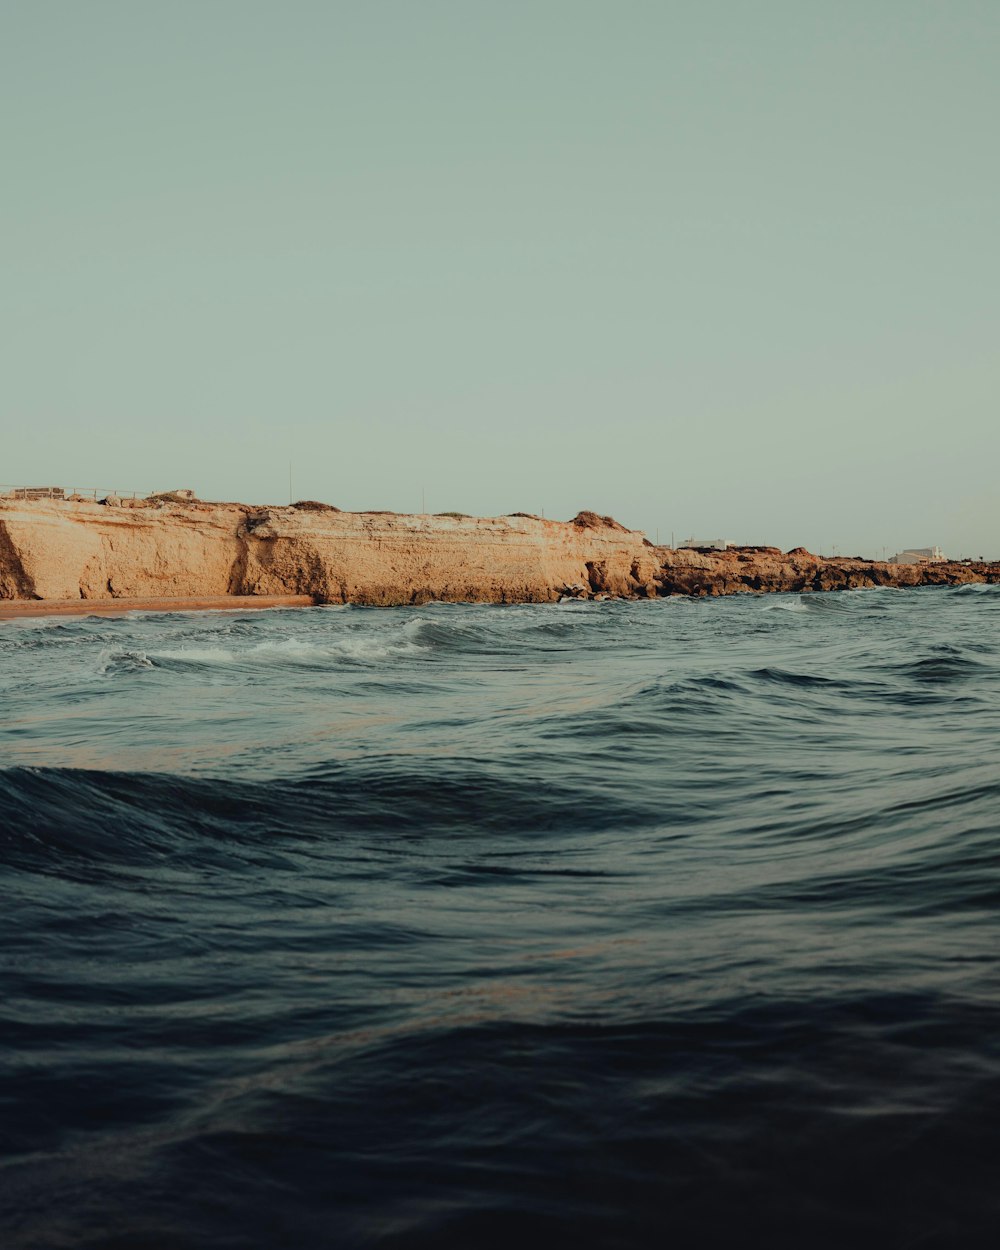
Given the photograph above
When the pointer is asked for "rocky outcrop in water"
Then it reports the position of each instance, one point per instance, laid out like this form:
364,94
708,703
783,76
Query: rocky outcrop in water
767,569
173,549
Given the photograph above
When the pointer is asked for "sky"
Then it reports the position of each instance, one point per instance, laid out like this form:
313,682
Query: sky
719,269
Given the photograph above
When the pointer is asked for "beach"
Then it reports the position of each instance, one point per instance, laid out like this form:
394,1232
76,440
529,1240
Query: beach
26,609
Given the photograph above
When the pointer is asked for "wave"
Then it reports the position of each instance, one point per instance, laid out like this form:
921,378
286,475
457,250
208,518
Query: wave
823,602
945,664
785,605
368,644
869,600
287,652
976,588
97,813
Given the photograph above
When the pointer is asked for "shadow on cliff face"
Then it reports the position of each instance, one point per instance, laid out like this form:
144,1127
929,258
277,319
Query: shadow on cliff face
268,562
15,582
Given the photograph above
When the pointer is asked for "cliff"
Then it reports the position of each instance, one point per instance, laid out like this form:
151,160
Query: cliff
171,550
56,550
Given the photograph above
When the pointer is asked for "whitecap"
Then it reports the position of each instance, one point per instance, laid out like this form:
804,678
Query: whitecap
795,605
198,655
368,649
123,661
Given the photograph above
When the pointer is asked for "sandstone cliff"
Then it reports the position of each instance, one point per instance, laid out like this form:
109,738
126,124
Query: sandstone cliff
169,549
84,550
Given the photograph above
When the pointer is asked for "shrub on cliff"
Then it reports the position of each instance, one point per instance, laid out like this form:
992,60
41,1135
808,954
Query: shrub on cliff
591,521
169,496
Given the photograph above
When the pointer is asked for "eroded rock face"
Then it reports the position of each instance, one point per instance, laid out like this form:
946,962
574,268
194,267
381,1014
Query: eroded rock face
385,559
90,551
742,570
85,550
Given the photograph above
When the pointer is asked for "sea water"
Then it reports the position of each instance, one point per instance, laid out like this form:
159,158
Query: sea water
611,924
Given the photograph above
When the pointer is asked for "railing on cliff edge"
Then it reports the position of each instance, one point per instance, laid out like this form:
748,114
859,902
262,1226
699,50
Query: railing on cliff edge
11,491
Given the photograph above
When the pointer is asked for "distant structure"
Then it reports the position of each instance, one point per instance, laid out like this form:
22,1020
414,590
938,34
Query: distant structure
175,496
36,492
715,544
919,555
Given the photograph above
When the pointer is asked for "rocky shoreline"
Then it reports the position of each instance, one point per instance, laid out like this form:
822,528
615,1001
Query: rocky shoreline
767,570
81,554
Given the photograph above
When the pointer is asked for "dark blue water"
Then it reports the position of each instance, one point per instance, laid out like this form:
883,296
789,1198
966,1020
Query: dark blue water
593,924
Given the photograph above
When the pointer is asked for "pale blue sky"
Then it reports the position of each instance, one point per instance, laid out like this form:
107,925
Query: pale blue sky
722,268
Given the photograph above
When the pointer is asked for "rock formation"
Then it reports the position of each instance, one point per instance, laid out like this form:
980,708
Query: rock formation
171,549
763,569
90,551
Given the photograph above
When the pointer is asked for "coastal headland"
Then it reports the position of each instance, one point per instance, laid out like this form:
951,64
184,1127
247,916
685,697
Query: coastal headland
165,554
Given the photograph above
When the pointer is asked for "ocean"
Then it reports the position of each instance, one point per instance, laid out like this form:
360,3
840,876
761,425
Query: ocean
591,924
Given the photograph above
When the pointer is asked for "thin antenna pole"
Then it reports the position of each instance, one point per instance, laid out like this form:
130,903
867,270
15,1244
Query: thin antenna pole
289,483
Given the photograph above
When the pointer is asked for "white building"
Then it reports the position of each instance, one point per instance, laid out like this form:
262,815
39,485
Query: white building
918,555
716,544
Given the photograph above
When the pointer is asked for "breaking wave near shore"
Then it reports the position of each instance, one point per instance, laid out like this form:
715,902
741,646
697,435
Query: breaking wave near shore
593,923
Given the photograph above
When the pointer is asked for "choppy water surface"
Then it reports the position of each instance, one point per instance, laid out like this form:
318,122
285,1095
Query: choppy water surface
606,925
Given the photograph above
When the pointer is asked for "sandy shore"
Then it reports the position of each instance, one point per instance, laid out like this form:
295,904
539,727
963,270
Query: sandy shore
18,609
